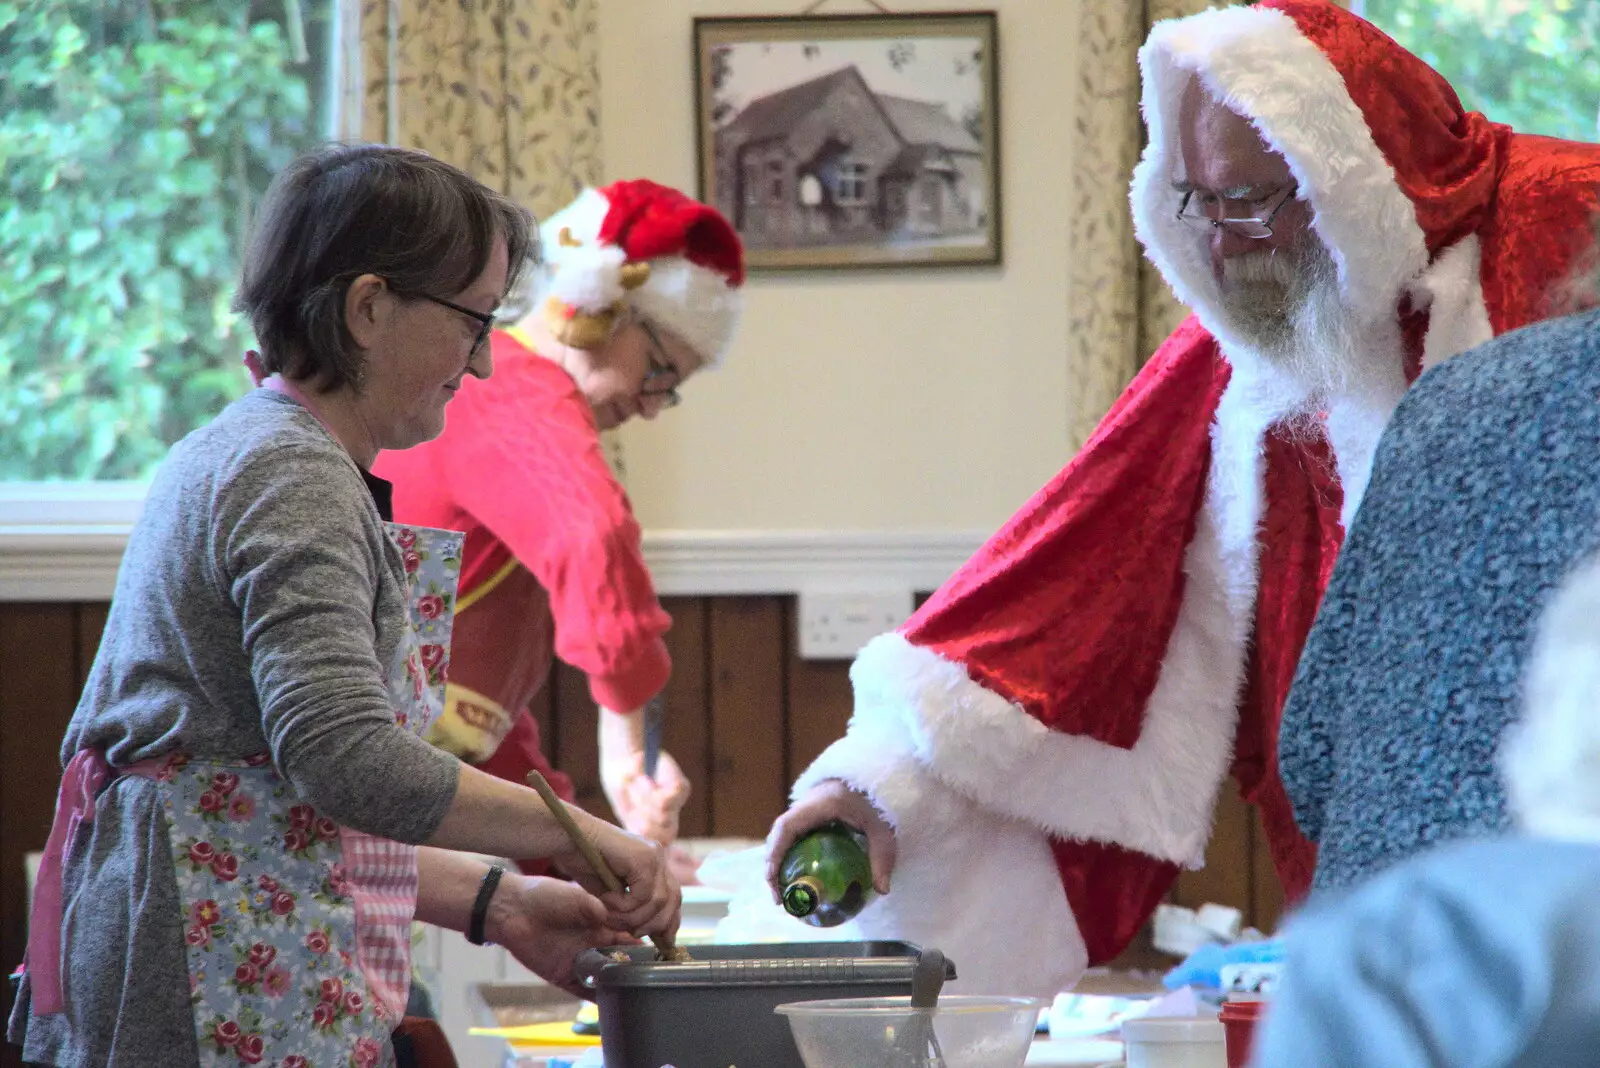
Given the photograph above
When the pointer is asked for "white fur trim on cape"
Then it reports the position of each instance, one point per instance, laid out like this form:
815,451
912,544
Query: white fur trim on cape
1354,429
1155,797
1452,291
1258,63
979,885
970,780
1458,320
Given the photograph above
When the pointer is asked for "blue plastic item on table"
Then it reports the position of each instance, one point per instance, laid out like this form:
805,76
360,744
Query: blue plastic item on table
1203,967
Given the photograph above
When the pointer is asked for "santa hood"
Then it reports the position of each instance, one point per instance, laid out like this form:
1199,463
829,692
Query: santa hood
1398,175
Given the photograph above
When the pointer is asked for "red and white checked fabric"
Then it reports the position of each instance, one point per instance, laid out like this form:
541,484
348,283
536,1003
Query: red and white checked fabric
382,874
383,886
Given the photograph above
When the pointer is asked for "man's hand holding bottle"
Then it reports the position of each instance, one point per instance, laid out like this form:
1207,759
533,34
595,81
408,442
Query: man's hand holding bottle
829,802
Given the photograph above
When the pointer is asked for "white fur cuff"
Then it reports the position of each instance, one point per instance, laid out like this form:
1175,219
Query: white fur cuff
978,885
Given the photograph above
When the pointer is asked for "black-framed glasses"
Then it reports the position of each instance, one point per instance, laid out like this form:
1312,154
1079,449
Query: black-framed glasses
1255,229
485,321
661,370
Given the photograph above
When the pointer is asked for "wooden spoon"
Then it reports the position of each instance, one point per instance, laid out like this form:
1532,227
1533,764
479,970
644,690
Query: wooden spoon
665,949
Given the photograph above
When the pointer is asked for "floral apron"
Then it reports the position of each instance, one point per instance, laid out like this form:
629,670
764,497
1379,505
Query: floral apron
297,929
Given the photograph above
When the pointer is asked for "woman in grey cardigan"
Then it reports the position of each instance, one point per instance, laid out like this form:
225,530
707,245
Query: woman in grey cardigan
249,819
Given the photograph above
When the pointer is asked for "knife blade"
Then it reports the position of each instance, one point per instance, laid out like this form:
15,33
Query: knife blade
655,716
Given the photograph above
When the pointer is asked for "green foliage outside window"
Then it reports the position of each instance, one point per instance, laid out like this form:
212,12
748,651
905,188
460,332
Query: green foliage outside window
134,137
1533,64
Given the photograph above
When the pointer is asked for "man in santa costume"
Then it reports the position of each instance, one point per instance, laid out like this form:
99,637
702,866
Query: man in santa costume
638,290
1036,755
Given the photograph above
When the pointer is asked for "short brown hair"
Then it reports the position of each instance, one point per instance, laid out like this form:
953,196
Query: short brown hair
342,211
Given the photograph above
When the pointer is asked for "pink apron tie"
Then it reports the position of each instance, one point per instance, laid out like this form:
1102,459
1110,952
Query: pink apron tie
86,775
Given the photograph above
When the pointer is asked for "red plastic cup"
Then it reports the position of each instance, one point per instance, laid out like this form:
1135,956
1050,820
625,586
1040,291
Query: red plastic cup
1239,1018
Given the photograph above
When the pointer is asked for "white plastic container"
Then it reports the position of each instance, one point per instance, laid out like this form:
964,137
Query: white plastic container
1174,1042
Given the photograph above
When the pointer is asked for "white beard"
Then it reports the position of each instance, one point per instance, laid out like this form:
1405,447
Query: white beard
1286,307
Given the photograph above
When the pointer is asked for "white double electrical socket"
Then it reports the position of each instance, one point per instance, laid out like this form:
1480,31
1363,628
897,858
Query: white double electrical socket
834,625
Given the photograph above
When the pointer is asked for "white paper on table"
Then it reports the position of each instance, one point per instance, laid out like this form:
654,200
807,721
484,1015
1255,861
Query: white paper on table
1076,1053
753,917
1074,1016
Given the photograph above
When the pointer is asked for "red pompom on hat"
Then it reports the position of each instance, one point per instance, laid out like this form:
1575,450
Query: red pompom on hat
640,245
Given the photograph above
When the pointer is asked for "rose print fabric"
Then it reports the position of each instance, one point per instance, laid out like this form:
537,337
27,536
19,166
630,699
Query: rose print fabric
270,924
297,930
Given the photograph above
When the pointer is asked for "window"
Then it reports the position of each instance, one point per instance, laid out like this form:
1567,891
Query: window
1528,63
134,140
752,184
775,181
929,201
850,185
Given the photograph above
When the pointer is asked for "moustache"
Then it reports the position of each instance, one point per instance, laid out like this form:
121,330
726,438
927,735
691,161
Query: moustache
1259,267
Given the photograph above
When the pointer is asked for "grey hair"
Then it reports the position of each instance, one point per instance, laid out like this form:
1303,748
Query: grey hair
342,211
1550,758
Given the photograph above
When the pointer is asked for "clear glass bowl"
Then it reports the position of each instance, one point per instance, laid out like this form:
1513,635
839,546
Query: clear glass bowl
973,1031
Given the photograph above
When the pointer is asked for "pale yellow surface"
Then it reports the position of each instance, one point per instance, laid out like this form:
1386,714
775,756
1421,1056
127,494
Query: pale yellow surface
539,1035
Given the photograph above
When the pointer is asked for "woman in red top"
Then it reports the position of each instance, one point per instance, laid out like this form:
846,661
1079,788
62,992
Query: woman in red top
638,290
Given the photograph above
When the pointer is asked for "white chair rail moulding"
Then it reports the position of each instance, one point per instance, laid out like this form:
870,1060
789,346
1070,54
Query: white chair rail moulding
64,541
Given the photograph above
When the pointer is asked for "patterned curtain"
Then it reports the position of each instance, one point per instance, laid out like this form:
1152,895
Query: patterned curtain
1121,309
507,90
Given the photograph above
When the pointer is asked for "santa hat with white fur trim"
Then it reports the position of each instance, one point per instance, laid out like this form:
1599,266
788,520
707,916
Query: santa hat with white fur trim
640,246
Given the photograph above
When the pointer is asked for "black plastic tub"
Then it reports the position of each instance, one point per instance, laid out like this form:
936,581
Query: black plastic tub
717,1011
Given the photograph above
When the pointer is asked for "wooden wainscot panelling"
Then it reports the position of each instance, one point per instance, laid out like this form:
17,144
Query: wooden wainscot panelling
577,743
687,731
748,640
1266,891
818,702
1227,875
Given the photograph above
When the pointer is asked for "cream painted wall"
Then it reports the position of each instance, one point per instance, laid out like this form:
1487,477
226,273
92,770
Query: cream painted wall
905,400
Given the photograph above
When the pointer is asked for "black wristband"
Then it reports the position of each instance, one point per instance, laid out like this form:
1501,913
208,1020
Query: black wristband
480,907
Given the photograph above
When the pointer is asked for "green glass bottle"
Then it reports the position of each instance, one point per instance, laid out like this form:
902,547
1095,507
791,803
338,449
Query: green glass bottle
827,876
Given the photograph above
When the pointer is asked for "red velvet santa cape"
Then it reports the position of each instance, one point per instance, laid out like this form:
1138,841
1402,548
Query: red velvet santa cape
1053,727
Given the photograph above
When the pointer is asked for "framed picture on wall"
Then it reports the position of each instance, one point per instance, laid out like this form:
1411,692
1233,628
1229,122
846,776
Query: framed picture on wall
852,140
